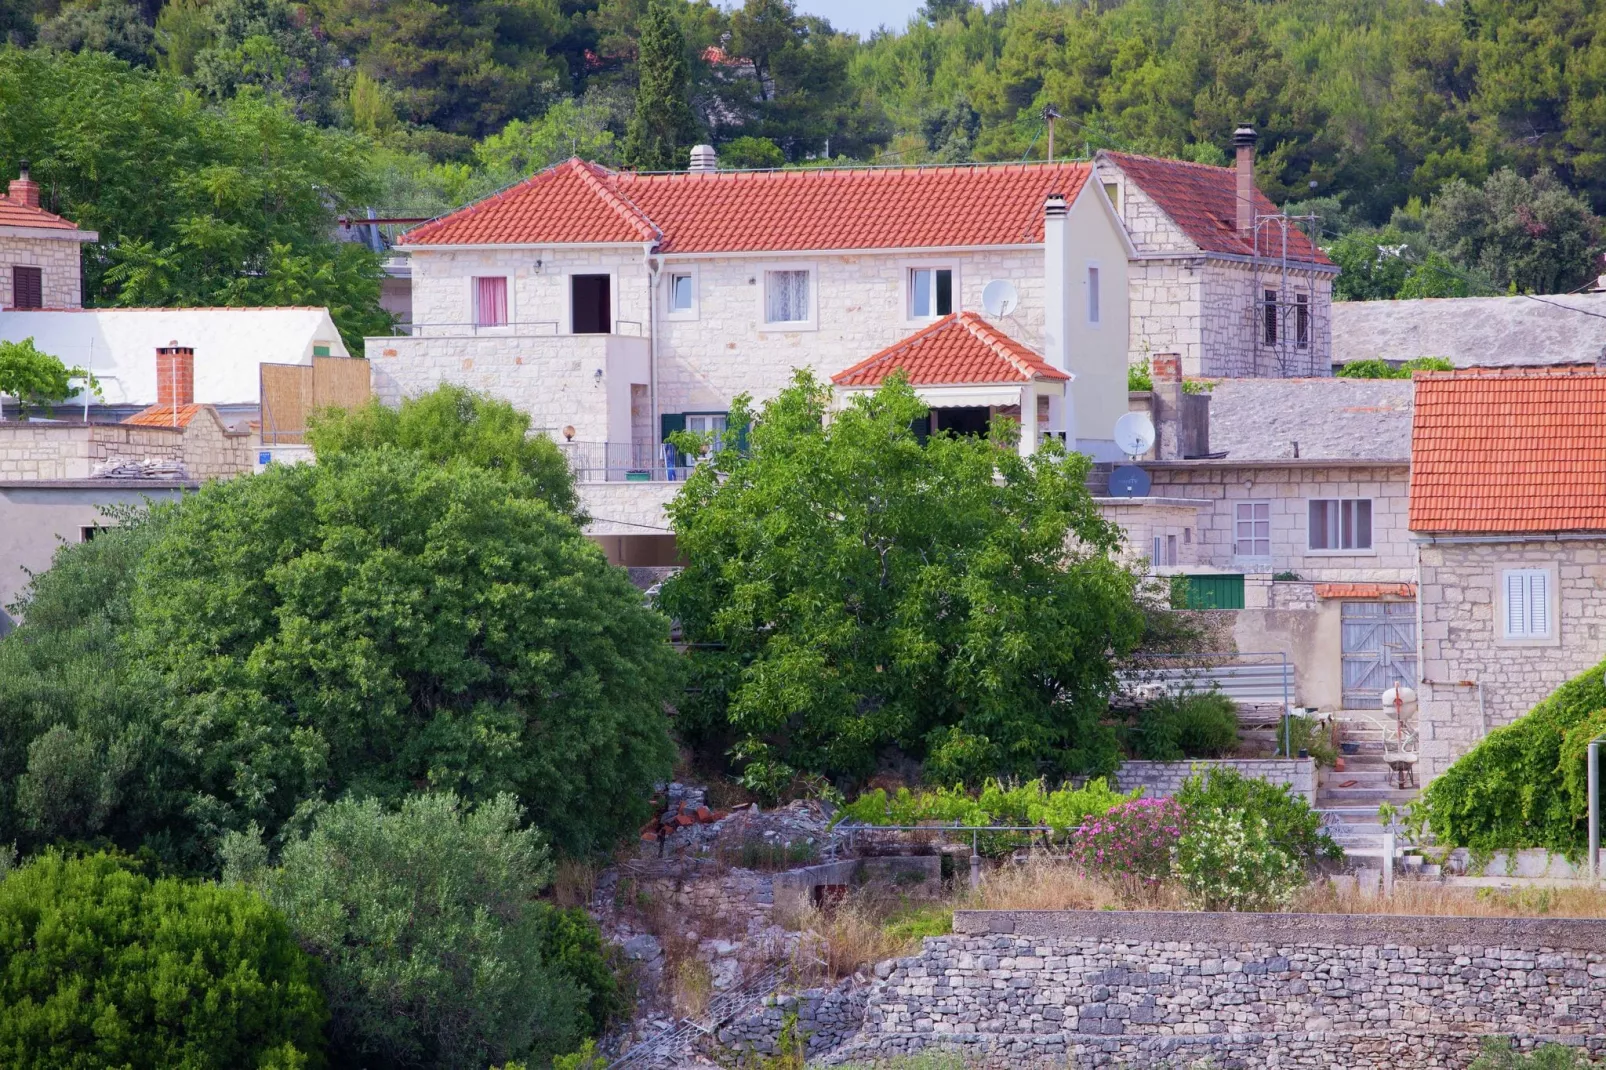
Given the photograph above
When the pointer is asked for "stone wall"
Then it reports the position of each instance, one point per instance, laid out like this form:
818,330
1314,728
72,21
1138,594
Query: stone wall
824,1018
60,267
1289,489
30,451
1375,992
1166,778
1473,331
1473,679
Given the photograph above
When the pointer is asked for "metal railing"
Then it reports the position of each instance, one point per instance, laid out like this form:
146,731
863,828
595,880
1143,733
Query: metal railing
513,329
666,1049
628,462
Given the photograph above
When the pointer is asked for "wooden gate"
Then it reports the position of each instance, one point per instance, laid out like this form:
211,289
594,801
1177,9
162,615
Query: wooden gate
1379,650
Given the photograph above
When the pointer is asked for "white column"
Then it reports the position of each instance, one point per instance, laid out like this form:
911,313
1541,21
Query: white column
1056,285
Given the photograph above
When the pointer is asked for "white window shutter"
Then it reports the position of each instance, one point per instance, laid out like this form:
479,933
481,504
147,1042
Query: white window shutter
1538,603
1516,603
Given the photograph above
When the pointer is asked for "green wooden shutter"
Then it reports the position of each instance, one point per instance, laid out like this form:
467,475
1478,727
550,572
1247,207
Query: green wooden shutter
739,431
922,428
1215,592
669,423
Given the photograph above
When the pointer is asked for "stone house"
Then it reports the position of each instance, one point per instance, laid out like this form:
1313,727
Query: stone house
40,252
1508,516
1219,275
1295,516
619,308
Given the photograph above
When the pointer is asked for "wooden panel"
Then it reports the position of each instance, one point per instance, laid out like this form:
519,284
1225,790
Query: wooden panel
286,400
339,382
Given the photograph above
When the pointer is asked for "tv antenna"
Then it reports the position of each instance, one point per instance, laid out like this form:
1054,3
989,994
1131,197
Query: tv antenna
999,298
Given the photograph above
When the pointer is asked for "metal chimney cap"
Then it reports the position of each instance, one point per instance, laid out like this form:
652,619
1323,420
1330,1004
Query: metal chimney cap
703,158
1244,135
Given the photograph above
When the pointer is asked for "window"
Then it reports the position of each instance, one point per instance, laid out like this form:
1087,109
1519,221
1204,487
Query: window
786,296
712,424
1165,550
931,293
682,293
1092,294
27,288
1341,524
490,301
590,311
1302,321
1269,318
320,349
1112,190
1170,549
1526,593
1252,529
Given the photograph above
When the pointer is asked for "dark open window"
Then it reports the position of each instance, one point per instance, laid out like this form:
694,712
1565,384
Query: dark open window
1302,321
27,288
1269,326
589,309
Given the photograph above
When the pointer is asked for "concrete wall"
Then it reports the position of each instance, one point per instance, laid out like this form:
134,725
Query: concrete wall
794,889
1159,779
1289,490
1027,988
1309,630
60,265
1141,519
1461,643
33,451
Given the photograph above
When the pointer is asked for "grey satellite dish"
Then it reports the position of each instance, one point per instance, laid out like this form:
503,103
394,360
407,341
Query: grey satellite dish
999,298
1134,434
1129,481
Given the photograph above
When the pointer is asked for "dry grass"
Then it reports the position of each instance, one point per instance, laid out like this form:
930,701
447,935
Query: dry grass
848,936
1444,901
574,883
1051,885
692,986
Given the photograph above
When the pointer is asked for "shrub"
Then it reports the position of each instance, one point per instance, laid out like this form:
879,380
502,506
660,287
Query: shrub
1498,1054
1232,861
428,929
106,967
571,945
1138,377
1186,725
1133,843
1290,821
1523,784
1309,735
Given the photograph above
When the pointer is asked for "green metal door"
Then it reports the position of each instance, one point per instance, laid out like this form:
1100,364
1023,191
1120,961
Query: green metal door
1215,592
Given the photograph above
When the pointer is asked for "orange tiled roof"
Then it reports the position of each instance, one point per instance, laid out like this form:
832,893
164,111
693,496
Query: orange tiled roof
1203,201
1365,590
760,211
162,416
16,214
957,349
1509,450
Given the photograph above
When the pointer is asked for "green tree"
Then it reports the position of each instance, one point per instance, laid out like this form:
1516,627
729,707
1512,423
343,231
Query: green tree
1373,265
375,623
183,29
569,128
1529,233
106,967
452,423
752,153
111,26
266,43
33,378
662,128
426,922
850,587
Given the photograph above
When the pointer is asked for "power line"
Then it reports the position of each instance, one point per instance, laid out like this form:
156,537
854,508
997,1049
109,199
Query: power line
632,524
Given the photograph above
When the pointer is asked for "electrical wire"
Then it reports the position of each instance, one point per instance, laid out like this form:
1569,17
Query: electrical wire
632,524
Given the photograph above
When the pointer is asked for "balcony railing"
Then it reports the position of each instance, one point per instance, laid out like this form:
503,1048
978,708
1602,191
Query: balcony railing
514,328
627,462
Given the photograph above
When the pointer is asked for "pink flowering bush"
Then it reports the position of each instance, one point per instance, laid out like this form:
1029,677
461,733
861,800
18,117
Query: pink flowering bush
1132,843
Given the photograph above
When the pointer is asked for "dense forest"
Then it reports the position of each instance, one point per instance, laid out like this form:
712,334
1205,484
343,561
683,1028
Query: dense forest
1447,148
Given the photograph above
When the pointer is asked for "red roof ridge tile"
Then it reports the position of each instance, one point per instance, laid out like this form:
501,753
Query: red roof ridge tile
951,368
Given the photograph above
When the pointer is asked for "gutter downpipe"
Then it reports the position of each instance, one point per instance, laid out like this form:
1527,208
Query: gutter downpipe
1594,807
654,266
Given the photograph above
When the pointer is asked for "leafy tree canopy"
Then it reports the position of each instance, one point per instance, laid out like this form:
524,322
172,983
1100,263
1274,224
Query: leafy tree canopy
106,967
851,588
428,929
33,378
452,423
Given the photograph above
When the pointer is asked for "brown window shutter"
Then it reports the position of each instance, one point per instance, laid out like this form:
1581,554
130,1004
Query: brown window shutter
27,288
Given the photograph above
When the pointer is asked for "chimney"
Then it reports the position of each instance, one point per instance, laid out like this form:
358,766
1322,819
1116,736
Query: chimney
175,377
1166,373
703,158
1056,284
1243,141
24,190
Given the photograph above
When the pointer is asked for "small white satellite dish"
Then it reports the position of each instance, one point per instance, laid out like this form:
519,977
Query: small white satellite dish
1134,434
999,298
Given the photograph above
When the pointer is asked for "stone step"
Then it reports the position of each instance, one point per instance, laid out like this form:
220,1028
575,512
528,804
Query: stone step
1363,778
1327,798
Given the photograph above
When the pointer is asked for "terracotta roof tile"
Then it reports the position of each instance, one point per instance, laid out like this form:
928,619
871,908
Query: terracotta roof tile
957,349
1365,590
1203,201
1509,450
760,211
16,214
162,416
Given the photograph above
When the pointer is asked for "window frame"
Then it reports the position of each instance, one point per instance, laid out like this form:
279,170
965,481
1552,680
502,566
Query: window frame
474,303
682,315
1551,635
955,304
1093,281
38,276
762,277
1237,537
1302,321
1270,327
1370,549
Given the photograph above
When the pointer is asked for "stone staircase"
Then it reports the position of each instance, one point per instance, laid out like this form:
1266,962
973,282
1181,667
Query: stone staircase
1350,797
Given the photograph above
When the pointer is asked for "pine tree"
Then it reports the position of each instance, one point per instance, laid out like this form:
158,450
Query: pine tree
662,129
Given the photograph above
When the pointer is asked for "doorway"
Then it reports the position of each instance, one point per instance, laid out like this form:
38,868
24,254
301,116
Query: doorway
963,420
1379,650
590,309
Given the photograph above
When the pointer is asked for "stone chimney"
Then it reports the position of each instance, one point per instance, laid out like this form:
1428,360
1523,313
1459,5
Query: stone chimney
1243,141
24,190
1181,420
175,377
703,158
1056,284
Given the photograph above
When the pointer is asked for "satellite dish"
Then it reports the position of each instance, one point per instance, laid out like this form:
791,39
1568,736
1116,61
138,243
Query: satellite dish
1134,433
999,298
1129,481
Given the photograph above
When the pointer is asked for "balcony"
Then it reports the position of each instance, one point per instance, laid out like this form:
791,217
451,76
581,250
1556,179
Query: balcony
627,462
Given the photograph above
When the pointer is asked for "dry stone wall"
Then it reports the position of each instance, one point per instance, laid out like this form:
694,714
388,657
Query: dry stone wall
1026,988
1166,778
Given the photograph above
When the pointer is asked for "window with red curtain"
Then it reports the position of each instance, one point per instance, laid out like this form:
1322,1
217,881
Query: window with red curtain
490,301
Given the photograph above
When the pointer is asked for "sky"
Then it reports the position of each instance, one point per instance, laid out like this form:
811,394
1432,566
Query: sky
862,17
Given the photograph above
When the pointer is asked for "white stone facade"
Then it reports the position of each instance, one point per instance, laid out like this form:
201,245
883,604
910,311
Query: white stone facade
60,269
1473,678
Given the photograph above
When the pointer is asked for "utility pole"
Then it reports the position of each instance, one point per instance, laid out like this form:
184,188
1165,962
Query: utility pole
1049,115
